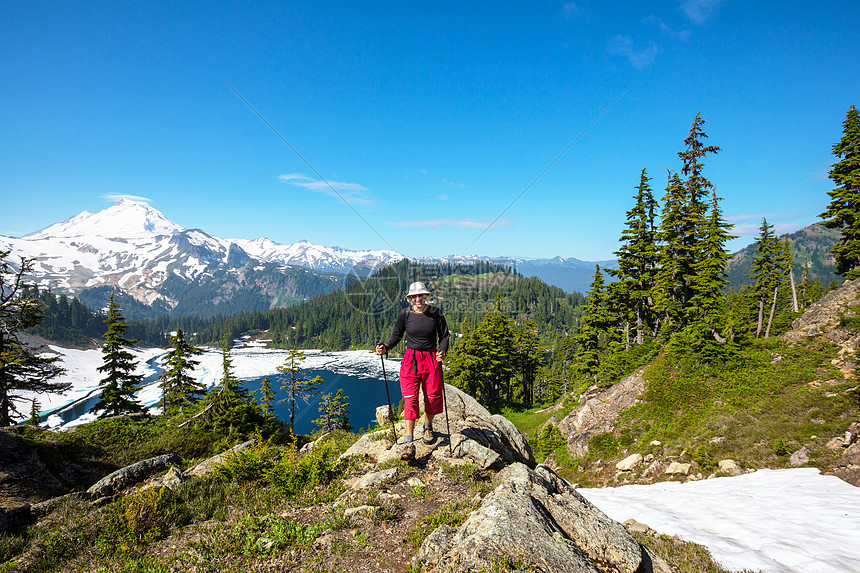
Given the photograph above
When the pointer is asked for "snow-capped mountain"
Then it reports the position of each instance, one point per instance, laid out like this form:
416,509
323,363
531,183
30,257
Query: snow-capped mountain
133,249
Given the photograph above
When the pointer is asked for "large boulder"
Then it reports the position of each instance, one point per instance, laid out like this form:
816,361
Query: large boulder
133,474
848,467
467,417
536,517
598,413
24,478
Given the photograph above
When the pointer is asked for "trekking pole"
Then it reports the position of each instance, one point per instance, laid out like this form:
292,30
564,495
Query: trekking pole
387,395
445,403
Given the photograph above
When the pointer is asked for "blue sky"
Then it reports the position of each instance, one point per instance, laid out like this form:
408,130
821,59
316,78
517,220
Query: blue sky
429,119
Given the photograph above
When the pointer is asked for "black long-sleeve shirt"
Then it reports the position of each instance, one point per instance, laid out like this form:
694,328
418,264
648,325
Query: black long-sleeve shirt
422,330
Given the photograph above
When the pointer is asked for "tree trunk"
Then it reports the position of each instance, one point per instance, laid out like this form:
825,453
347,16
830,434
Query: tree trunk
772,311
794,306
760,316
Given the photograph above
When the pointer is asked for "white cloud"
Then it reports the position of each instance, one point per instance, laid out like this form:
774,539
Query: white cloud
653,20
452,183
698,11
352,193
744,216
116,197
442,197
454,223
621,45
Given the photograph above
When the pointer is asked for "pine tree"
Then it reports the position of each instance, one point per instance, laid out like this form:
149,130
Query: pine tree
34,413
709,302
22,369
334,412
637,260
177,386
527,344
297,383
119,385
766,271
266,397
675,262
843,212
230,407
595,319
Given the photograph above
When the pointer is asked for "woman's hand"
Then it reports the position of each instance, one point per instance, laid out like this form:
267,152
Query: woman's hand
381,349
440,356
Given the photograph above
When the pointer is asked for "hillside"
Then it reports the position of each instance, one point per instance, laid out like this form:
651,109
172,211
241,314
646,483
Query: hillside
810,244
791,401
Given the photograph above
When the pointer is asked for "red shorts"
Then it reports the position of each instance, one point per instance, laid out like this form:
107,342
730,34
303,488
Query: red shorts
420,368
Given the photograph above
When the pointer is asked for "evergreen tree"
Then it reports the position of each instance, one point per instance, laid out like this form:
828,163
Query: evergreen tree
177,385
266,397
334,412
528,359
297,383
34,413
843,212
709,302
637,261
22,369
119,385
675,261
230,407
595,319
483,361
767,270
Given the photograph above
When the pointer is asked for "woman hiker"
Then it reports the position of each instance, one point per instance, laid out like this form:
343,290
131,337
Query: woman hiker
426,344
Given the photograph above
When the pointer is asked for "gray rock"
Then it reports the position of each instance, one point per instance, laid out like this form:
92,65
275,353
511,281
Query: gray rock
629,462
208,466
370,445
361,511
848,467
311,445
383,417
130,475
465,447
730,467
800,457
677,468
539,517
374,479
173,478
466,416
598,414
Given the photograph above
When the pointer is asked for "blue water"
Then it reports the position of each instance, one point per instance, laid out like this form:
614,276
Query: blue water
363,395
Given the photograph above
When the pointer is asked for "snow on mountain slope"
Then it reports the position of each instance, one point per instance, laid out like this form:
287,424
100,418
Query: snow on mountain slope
126,219
306,254
132,246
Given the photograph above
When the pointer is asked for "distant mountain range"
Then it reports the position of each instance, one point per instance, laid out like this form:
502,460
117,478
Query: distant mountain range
154,266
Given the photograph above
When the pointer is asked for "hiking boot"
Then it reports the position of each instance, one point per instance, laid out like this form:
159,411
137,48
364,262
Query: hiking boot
429,438
409,453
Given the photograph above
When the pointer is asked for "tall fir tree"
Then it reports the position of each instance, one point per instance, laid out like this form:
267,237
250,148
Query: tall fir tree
297,383
120,383
593,325
637,261
766,272
843,212
267,395
22,368
676,262
178,387
709,302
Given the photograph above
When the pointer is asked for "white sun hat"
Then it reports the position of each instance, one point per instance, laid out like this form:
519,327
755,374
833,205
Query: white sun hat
417,288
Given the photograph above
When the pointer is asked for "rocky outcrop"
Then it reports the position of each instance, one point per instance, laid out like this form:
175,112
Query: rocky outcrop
537,518
133,474
598,413
24,478
848,467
